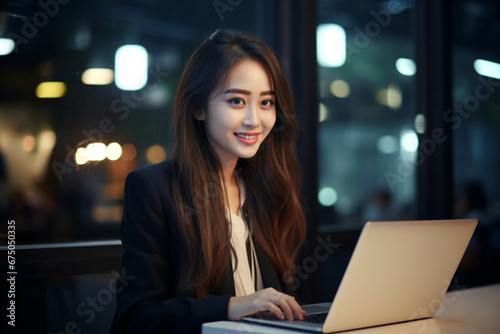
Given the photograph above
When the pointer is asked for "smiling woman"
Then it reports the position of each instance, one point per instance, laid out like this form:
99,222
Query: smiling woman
240,119
213,233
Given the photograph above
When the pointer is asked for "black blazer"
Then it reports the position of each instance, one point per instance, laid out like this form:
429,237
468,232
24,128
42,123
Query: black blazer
152,260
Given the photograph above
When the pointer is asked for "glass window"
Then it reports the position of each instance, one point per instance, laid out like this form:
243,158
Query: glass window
476,122
476,134
367,136
87,92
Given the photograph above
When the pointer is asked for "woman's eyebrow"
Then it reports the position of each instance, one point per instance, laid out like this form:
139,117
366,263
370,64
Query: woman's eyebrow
246,92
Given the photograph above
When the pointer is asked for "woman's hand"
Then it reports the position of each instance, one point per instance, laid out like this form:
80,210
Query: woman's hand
280,304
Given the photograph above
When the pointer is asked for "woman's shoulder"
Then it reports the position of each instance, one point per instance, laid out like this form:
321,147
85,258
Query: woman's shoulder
158,176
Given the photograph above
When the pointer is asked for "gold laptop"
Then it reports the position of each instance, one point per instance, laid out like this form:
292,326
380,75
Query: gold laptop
399,271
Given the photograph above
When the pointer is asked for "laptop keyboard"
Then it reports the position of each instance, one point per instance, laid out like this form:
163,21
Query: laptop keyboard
316,318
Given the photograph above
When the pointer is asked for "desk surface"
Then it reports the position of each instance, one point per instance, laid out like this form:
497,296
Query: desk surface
471,311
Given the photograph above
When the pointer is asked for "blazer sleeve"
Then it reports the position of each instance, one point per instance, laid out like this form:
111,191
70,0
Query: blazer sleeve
146,292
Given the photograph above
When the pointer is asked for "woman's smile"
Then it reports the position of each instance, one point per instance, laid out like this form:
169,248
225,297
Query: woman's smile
247,138
239,120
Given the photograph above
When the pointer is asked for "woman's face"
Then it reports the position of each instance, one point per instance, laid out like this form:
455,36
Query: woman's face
238,120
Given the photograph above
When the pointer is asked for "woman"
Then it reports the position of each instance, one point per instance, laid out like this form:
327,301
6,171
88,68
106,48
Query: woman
213,233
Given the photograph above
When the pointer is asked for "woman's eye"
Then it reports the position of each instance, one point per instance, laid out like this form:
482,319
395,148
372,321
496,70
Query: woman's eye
267,103
236,101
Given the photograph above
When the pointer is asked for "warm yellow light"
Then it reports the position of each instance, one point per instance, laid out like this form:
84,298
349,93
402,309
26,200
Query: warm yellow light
98,76
113,151
50,89
394,96
155,154
28,143
129,152
96,152
81,156
382,96
46,140
391,97
340,89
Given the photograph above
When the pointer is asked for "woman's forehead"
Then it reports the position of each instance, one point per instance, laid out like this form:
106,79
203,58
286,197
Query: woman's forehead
248,73
228,80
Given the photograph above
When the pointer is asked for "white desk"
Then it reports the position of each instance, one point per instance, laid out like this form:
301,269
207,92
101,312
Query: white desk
471,311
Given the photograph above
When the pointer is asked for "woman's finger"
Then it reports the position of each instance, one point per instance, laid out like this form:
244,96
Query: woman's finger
283,302
274,309
288,305
296,310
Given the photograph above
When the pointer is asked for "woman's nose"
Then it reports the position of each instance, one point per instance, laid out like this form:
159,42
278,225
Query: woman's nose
252,116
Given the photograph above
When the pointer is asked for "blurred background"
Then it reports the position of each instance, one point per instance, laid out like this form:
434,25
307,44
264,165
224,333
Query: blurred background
398,101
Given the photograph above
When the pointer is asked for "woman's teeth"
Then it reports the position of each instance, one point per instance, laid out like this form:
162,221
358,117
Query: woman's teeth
245,136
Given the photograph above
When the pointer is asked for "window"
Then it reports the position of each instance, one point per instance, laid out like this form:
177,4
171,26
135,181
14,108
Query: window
476,98
368,120
475,122
73,123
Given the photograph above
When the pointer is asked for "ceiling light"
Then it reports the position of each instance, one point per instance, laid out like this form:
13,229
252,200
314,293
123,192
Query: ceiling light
409,141
6,46
327,196
330,45
95,152
114,151
97,76
131,67
340,88
50,89
406,66
487,68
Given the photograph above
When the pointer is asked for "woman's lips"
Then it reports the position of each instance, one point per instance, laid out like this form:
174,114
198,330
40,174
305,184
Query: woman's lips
247,138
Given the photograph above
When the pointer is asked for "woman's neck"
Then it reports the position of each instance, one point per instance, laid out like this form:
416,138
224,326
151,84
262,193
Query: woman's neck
231,186
228,168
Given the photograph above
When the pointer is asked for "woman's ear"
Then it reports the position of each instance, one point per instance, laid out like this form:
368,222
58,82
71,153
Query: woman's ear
199,115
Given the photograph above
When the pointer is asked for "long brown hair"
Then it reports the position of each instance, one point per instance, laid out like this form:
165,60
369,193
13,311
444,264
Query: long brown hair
272,176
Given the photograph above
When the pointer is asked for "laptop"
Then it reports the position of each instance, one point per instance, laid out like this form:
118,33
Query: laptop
399,271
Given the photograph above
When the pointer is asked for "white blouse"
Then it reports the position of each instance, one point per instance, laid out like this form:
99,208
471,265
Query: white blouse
247,277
